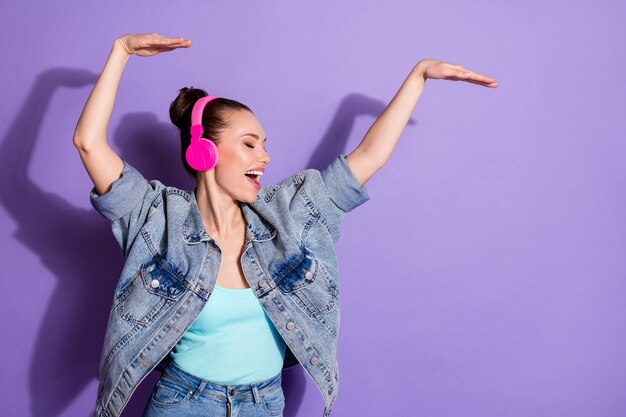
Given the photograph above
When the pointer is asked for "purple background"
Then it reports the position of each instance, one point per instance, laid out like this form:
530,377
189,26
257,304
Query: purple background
485,277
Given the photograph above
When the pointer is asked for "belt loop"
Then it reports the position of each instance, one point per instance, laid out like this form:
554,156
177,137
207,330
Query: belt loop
195,395
255,394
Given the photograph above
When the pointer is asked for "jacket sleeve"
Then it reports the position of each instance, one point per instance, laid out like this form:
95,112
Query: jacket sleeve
335,191
126,205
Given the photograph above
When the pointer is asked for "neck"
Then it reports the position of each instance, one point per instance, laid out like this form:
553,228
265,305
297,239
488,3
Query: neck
222,215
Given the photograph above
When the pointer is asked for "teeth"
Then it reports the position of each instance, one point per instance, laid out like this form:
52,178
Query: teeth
259,173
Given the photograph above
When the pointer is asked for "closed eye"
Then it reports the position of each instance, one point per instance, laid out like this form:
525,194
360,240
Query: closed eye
253,147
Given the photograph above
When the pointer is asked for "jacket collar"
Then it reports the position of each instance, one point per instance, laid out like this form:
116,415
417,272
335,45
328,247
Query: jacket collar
258,229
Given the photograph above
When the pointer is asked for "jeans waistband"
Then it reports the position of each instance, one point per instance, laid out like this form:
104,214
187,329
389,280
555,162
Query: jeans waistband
205,387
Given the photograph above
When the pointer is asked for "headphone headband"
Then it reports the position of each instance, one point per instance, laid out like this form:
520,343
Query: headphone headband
196,115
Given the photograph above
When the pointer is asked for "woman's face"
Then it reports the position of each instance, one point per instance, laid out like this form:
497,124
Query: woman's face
241,148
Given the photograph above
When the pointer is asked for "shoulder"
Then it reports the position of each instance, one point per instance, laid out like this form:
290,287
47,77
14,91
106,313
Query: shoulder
334,184
289,187
129,193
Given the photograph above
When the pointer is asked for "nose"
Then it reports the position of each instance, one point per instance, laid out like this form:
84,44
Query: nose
265,157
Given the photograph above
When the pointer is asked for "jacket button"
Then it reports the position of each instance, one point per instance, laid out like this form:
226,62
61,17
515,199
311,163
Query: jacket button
315,360
290,325
262,282
154,283
309,275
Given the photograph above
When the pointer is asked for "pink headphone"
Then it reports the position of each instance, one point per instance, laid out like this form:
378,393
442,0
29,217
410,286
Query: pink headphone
201,153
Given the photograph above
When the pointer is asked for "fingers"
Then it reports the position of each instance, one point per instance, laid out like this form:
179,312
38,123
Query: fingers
167,49
169,44
475,78
183,44
479,79
171,47
165,40
173,42
493,84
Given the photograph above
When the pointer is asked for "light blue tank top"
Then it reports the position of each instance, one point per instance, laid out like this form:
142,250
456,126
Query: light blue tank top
232,341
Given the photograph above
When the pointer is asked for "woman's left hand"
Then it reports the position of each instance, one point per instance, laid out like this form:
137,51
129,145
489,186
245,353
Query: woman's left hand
439,70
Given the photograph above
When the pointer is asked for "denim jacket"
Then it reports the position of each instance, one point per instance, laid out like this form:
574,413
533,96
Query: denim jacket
171,265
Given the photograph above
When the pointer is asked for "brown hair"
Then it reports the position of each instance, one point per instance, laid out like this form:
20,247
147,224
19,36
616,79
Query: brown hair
214,118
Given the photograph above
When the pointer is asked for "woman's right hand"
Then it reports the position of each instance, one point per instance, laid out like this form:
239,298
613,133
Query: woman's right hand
148,44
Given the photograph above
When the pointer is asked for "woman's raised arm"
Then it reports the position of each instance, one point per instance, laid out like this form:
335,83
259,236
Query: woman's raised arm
103,165
376,147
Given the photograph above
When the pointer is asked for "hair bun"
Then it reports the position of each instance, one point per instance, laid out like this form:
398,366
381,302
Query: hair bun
181,107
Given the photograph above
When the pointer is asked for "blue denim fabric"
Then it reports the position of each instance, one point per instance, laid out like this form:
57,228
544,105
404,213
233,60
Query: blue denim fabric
171,265
180,394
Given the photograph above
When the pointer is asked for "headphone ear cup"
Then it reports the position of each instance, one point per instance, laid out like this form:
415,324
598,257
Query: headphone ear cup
202,155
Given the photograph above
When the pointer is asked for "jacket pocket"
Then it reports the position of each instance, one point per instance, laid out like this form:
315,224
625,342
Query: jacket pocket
302,278
152,290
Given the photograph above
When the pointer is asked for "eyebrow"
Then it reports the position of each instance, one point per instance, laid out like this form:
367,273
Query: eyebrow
254,135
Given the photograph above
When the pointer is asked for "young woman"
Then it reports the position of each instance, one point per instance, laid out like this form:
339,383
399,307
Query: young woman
226,285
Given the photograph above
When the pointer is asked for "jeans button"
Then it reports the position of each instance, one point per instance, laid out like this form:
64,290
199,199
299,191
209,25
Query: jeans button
315,360
291,325
154,283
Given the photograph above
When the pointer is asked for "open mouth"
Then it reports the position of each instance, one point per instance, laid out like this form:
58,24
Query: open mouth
254,175
254,178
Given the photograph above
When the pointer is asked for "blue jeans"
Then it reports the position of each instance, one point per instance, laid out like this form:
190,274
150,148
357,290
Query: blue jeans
181,394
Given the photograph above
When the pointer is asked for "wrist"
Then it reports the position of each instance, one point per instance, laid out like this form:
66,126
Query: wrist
120,46
419,71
